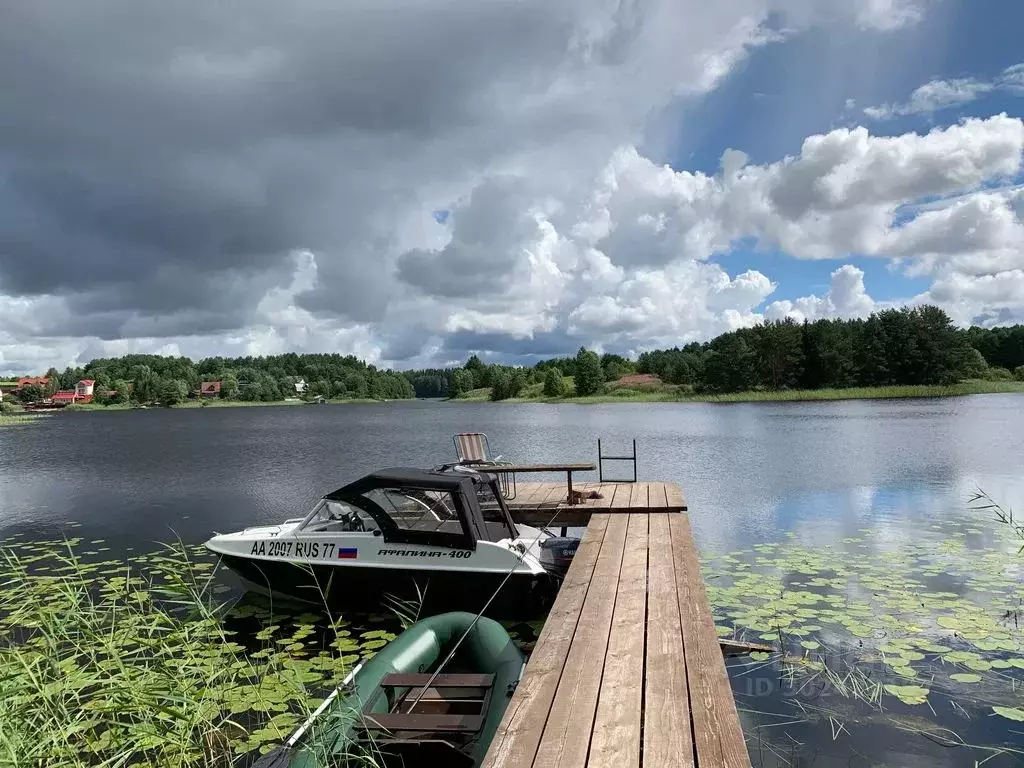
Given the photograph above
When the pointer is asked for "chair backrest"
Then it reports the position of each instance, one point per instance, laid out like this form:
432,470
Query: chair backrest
472,447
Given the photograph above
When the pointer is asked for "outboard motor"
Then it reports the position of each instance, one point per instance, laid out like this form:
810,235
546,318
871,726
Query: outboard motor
556,553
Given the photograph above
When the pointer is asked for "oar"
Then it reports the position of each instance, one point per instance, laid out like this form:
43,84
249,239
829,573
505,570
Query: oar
281,757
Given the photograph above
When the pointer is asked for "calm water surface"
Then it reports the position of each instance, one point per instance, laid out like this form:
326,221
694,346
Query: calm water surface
855,479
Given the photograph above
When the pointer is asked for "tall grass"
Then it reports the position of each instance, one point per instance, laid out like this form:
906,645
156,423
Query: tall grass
114,665
980,501
10,420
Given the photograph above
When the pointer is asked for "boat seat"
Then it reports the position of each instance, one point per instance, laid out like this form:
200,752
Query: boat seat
453,703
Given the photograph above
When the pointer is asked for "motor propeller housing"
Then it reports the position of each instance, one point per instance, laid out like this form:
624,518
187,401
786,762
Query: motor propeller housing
556,553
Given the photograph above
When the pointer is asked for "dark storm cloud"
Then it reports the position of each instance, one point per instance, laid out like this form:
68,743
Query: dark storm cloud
486,244
142,142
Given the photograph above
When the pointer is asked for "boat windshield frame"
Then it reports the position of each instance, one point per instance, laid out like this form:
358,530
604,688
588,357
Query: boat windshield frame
461,501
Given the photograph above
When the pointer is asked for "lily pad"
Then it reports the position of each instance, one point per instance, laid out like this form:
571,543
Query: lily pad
965,677
908,694
1010,713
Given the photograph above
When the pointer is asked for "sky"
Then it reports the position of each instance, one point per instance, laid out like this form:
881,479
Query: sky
413,182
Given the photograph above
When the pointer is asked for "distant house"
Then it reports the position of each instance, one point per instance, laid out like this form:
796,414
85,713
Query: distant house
6,387
84,388
300,386
69,397
33,381
209,389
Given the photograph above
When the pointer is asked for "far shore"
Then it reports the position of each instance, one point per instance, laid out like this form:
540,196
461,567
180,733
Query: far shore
673,395
665,394
218,403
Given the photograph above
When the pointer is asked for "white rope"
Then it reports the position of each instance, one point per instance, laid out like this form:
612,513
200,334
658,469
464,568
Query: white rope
476,618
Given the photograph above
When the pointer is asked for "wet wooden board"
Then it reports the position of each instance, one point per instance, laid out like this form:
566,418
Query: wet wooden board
538,503
616,739
564,743
716,724
517,740
627,670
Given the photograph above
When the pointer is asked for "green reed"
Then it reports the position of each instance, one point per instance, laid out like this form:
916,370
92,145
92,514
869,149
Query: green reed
132,664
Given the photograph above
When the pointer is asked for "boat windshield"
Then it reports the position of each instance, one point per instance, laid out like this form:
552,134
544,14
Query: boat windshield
330,516
433,512
415,509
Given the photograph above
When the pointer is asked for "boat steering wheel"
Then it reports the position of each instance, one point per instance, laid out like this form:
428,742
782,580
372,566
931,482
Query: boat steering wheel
351,520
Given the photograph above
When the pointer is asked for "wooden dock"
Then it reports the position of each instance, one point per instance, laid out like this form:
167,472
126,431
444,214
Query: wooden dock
536,503
627,671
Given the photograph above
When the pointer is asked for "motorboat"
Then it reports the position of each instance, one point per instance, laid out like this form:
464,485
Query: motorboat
442,540
432,696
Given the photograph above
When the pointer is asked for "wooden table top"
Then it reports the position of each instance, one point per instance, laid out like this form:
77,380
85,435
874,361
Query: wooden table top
502,468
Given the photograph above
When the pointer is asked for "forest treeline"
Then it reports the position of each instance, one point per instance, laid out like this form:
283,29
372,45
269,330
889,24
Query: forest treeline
909,346
170,380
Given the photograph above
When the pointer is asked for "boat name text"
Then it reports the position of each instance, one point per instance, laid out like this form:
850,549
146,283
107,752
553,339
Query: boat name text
457,553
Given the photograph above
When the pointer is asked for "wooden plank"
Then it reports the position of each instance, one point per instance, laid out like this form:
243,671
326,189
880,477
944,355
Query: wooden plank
668,738
608,491
616,739
639,498
622,497
515,742
658,499
530,506
676,500
526,494
566,737
555,492
716,725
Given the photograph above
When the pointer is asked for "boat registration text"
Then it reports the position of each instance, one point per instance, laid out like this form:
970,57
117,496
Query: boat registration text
308,549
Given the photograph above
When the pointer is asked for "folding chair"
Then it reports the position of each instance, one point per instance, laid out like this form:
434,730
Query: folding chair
474,450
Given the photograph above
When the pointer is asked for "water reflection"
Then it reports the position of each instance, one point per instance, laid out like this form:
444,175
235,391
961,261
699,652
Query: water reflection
878,482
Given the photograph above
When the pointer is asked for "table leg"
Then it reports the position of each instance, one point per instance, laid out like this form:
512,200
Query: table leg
569,498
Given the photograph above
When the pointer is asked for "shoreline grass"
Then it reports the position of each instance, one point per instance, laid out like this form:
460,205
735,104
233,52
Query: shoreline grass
673,395
17,419
217,403
271,403
131,663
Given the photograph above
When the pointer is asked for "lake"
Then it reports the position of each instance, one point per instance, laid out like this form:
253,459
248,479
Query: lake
839,517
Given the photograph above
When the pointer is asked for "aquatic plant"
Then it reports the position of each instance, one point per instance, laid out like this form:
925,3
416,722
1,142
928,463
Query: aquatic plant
137,663
982,502
880,626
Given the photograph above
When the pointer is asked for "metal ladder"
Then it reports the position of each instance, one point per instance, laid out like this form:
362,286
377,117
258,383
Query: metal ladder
602,458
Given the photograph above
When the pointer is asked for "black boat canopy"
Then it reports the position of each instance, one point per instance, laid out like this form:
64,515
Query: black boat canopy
464,491
412,477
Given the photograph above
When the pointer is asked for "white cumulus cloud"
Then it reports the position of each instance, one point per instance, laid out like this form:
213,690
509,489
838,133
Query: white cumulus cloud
955,92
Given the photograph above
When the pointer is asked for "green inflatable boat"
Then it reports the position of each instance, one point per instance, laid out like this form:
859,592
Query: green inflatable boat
397,709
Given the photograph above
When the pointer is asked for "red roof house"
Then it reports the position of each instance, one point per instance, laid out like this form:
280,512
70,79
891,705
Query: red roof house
33,381
209,389
68,397
84,387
